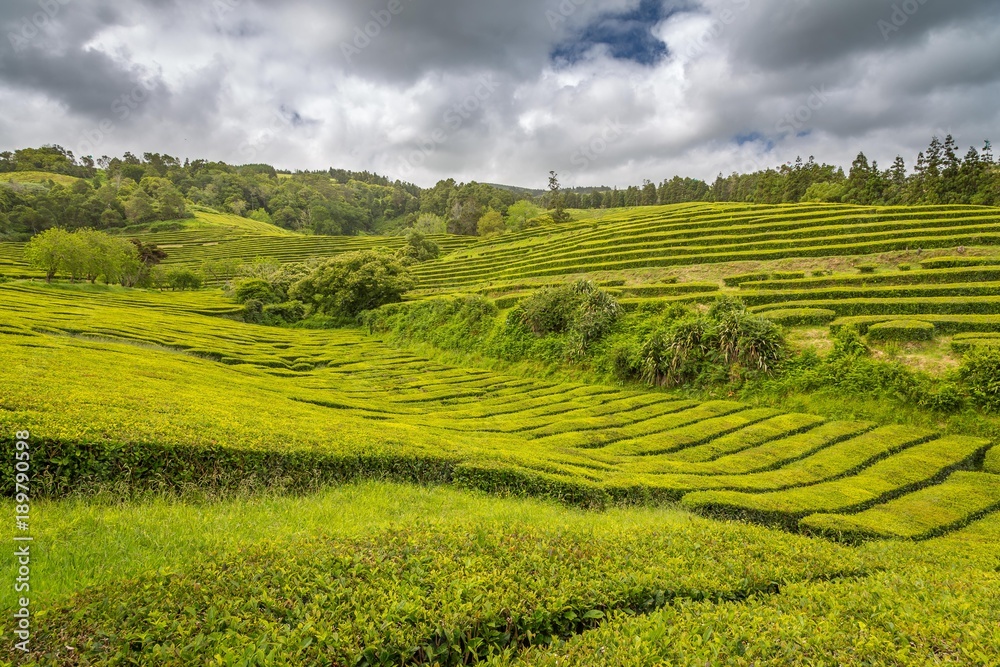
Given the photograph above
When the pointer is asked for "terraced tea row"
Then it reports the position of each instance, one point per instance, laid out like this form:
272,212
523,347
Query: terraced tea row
947,300
383,575
297,408
712,233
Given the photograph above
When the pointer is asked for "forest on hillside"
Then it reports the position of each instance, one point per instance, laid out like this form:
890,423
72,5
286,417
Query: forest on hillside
131,191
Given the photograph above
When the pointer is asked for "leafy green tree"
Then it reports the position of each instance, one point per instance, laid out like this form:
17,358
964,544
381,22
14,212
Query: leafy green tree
101,255
490,224
183,279
429,223
825,192
221,269
352,283
520,214
51,251
556,201
419,248
139,207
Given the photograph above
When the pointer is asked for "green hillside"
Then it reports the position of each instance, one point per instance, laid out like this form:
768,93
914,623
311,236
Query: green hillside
36,177
209,491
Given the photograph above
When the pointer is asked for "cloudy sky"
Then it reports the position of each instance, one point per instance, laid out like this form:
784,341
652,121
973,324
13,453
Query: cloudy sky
603,91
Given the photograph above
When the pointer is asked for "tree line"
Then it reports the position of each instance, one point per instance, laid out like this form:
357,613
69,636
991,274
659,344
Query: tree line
91,255
132,192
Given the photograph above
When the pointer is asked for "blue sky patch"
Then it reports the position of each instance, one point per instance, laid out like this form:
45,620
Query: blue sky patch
628,36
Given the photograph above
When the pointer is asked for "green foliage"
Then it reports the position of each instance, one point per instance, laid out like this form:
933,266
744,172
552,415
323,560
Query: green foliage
419,248
711,348
288,312
457,323
521,215
901,330
582,310
490,224
912,469
848,344
551,310
992,463
355,282
192,401
50,251
183,279
428,223
256,289
867,268
801,317
84,254
963,497
825,192
980,375
736,281
425,591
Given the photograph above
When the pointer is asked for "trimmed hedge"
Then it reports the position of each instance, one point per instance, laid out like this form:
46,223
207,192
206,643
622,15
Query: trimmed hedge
760,298
962,343
902,331
992,462
800,317
896,307
943,324
902,473
955,262
788,275
779,427
967,276
736,281
959,500
696,471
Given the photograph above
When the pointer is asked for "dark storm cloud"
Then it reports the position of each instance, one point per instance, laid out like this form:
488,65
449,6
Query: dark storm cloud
782,34
44,50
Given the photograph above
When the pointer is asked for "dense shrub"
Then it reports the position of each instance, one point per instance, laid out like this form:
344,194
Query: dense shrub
711,348
256,289
848,344
596,313
85,254
418,248
288,312
353,283
253,311
450,323
679,354
550,310
868,268
980,375
183,279
581,310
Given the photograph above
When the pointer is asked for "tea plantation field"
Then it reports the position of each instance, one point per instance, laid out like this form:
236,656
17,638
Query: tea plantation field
207,491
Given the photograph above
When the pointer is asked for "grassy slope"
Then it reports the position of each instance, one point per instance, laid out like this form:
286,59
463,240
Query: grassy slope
36,177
